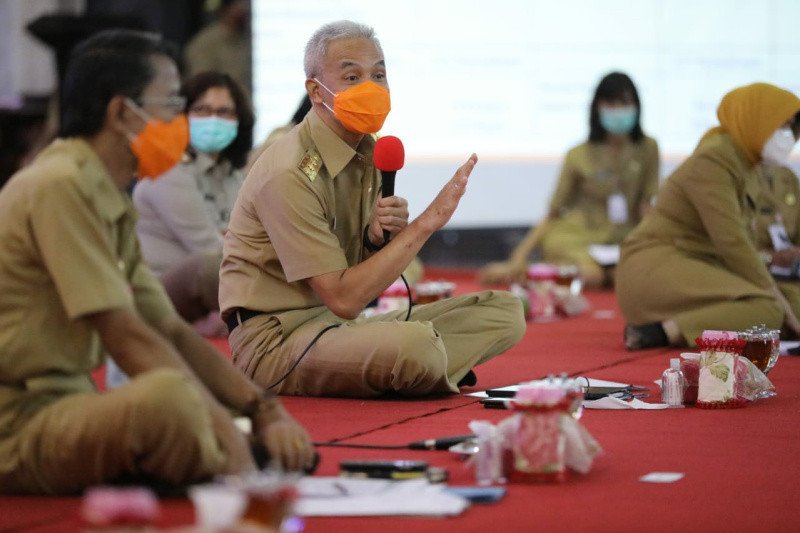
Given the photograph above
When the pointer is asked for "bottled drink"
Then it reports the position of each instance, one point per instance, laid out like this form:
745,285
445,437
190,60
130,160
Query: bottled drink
673,384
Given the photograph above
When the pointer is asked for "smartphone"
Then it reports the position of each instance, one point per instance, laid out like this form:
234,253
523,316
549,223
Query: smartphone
494,403
500,393
398,469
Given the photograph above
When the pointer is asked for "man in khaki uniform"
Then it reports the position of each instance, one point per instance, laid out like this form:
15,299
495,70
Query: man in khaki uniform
74,285
692,263
304,251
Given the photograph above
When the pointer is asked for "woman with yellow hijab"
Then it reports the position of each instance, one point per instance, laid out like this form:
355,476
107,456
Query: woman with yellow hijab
692,263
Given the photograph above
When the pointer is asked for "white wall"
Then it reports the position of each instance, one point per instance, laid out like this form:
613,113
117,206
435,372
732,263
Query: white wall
512,79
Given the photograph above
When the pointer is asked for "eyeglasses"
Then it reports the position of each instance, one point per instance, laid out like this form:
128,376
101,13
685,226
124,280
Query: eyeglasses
176,103
204,110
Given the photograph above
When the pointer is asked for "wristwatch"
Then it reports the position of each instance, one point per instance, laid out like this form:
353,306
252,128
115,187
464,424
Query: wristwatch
368,244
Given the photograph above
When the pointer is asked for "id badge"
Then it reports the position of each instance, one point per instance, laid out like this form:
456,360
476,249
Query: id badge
617,209
780,239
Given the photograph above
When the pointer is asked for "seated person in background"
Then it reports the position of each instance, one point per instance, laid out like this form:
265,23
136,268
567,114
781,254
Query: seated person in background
777,227
225,45
75,287
605,187
692,264
184,213
305,252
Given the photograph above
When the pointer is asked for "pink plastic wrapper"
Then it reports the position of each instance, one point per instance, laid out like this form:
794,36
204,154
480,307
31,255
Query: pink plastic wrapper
690,366
107,506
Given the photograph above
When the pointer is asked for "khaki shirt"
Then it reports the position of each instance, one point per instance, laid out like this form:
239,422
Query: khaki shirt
301,212
591,173
67,249
705,209
777,202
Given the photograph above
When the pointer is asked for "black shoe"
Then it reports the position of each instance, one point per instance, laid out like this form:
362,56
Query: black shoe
470,380
645,336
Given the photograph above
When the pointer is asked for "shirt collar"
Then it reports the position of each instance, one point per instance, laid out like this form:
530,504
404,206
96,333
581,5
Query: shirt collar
335,153
95,182
206,165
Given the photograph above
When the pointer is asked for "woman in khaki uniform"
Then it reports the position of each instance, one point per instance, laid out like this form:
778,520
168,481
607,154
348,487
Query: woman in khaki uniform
605,187
777,228
692,263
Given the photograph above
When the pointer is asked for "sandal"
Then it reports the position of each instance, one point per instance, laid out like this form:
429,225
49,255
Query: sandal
645,336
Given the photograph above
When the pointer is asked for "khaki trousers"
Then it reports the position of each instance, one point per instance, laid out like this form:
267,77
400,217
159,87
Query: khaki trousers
368,357
155,428
661,283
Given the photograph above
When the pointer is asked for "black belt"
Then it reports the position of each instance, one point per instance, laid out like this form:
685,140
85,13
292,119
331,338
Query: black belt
238,316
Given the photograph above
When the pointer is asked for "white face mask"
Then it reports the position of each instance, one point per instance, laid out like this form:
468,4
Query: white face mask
777,148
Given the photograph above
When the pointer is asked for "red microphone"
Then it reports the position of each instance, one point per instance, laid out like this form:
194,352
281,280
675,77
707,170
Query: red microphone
388,157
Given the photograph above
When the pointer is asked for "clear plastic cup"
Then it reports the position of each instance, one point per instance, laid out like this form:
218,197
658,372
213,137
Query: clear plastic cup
217,506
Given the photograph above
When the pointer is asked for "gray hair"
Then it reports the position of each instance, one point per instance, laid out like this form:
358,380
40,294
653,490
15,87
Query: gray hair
317,46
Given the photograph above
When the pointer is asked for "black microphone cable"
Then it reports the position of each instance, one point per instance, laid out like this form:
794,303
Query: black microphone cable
310,344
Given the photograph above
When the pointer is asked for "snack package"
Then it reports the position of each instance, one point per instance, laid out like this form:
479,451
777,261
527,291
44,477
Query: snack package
750,383
540,441
725,378
541,292
117,506
717,377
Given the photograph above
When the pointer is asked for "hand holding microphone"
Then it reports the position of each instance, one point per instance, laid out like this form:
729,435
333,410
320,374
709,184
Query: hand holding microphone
391,213
389,157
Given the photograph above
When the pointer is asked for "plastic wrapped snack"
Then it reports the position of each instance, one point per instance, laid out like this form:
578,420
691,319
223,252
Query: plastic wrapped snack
716,385
725,378
540,441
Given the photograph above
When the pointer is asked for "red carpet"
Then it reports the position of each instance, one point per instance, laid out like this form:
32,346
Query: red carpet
740,465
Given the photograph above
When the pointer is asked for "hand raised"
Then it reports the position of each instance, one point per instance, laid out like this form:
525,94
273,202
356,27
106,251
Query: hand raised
438,213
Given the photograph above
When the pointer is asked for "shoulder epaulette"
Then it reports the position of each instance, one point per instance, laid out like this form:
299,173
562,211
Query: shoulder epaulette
310,164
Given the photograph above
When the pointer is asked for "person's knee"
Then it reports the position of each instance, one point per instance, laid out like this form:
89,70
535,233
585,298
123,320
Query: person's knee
172,430
508,313
420,359
166,396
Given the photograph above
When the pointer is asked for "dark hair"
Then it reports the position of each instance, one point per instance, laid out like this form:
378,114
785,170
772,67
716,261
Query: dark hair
197,85
108,64
302,110
795,124
615,86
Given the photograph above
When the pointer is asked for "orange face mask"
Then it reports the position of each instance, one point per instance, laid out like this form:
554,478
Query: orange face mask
160,145
361,108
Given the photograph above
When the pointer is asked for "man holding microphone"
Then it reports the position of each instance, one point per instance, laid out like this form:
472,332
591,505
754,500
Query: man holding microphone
305,252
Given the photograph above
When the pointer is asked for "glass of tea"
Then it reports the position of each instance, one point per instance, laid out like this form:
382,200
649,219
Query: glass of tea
270,498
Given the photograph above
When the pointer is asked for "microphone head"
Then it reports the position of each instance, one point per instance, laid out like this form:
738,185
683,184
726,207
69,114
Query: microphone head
389,154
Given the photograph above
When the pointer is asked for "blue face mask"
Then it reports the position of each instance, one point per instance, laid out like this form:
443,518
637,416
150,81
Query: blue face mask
211,134
618,120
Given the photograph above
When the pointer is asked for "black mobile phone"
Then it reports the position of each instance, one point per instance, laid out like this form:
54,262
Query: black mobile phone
500,393
494,403
398,469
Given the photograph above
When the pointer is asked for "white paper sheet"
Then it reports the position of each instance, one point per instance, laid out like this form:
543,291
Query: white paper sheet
592,382
786,345
605,254
340,496
610,402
